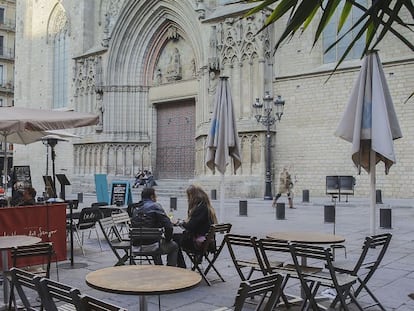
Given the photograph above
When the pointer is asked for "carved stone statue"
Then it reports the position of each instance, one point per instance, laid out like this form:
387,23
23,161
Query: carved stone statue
174,66
99,109
158,77
213,81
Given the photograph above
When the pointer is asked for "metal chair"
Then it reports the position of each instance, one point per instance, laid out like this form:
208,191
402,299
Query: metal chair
56,296
244,254
21,279
283,265
312,282
208,248
40,253
123,222
106,212
89,303
373,252
267,287
216,248
144,243
87,221
120,247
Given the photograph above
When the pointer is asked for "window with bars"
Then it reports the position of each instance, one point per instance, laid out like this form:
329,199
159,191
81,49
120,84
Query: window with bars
330,35
1,75
1,15
1,45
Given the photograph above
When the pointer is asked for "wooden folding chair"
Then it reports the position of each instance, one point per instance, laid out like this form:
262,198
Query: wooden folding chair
244,254
21,279
120,247
89,303
373,252
214,249
208,248
283,265
56,296
266,287
41,253
123,222
144,243
311,282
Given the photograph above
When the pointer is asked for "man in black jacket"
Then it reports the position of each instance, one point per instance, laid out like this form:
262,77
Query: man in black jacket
150,214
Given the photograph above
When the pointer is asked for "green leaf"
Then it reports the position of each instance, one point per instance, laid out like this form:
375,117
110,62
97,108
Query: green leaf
300,15
329,11
344,15
260,7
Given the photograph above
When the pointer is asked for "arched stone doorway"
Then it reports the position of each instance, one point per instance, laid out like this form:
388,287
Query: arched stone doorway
175,152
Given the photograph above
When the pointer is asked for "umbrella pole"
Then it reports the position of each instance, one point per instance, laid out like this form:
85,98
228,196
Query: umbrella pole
53,170
222,198
373,204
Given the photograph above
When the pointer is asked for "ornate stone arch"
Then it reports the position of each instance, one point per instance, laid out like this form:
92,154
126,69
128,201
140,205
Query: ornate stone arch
146,24
58,22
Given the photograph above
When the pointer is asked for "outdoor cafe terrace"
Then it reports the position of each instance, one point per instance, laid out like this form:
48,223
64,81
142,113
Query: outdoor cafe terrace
392,283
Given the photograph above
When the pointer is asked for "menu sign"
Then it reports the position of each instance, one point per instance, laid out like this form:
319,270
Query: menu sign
121,193
21,176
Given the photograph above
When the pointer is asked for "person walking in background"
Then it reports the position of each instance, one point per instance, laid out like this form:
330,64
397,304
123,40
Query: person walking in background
150,214
285,186
200,216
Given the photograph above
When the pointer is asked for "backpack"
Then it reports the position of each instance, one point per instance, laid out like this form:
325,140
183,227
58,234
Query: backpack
142,219
132,207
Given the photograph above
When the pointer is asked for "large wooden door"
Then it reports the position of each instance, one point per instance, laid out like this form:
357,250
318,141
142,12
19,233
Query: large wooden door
175,140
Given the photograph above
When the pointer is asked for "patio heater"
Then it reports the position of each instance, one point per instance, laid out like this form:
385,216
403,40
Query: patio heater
51,141
263,115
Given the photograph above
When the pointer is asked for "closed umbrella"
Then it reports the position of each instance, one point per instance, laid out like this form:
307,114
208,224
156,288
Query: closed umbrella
370,124
223,139
15,120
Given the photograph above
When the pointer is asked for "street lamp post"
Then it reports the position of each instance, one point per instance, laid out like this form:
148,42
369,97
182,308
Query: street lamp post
264,116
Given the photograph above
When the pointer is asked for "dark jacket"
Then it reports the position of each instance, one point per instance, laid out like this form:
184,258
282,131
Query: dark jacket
150,214
199,222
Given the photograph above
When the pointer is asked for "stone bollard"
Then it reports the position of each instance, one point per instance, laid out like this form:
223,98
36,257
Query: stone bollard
378,197
213,195
242,208
385,218
173,204
80,197
280,211
329,213
305,196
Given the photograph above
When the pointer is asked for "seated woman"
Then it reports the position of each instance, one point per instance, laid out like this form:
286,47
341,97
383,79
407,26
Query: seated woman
201,216
28,197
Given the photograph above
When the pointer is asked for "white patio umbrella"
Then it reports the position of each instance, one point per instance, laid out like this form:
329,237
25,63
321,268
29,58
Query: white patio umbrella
223,139
15,120
370,124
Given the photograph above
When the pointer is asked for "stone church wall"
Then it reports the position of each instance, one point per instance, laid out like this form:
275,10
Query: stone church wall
126,56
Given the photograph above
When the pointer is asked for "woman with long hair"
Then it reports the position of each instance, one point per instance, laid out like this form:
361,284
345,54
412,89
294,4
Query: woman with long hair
200,216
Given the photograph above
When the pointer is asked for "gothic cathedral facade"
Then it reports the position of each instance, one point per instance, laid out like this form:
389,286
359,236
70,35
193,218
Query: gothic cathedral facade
150,70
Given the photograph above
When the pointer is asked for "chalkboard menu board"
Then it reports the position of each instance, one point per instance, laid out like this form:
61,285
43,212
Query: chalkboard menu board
121,193
21,176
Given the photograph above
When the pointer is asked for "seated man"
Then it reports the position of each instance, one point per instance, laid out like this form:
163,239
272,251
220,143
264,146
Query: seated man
150,214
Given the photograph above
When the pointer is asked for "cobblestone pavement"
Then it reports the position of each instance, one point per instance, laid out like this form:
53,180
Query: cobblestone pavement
393,282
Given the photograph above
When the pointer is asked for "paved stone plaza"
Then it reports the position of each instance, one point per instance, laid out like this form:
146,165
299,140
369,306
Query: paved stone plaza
392,283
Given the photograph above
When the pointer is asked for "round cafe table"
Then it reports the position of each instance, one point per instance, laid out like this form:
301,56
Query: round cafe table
143,280
6,243
307,237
